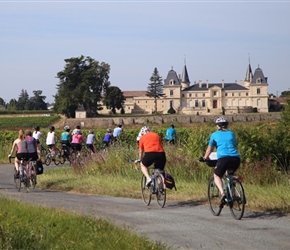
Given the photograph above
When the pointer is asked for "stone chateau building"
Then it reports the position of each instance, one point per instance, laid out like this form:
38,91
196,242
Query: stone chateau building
203,98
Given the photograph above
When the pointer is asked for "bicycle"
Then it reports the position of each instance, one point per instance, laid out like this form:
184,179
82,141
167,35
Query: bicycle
156,187
235,197
65,154
17,181
52,156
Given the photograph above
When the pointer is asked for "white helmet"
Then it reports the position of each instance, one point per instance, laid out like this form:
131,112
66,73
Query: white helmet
66,128
143,131
222,122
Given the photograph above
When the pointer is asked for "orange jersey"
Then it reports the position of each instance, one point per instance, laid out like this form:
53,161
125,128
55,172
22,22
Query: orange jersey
151,142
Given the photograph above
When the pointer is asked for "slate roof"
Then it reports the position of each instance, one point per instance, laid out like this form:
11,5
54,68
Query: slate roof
171,76
185,77
259,74
227,86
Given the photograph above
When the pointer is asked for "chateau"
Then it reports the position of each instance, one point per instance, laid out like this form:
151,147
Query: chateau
202,98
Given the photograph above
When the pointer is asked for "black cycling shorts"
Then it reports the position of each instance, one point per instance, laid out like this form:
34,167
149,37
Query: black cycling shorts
76,146
33,156
21,156
226,163
156,158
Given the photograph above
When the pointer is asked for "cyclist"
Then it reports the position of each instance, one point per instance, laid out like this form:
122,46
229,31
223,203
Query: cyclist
51,140
170,135
21,154
117,132
66,138
90,141
150,152
37,135
228,158
107,138
77,139
31,146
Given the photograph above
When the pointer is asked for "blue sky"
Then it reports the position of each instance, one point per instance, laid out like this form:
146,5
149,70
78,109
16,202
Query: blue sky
216,38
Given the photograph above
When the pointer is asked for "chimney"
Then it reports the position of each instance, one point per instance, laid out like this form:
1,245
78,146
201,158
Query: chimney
200,83
207,84
223,84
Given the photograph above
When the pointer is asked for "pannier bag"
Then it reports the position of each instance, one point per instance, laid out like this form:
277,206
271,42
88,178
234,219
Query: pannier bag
39,167
169,181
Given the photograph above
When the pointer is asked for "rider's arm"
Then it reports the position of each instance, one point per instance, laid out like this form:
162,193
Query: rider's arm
208,152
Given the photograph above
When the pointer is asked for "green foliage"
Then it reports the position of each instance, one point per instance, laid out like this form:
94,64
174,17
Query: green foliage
171,111
27,122
25,226
114,99
81,83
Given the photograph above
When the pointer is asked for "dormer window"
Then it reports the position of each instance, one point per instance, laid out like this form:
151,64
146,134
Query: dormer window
258,80
171,82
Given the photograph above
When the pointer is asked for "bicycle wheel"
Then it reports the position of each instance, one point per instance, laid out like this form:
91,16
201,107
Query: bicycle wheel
47,160
73,158
160,190
146,191
237,206
57,157
26,182
213,195
62,156
43,153
17,180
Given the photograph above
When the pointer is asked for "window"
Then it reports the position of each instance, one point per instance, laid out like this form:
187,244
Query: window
226,103
239,94
203,94
172,82
171,92
190,103
196,103
203,103
240,103
226,94
233,94
233,103
258,103
247,94
171,104
247,103
189,95
258,91
214,93
182,95
196,95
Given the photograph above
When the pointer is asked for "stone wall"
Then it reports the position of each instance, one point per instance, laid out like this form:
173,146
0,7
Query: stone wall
162,119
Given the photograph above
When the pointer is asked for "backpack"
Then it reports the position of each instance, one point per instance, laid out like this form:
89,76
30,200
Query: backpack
39,167
169,181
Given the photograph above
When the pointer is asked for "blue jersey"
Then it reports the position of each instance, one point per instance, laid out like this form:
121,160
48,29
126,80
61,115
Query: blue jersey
65,136
225,143
170,133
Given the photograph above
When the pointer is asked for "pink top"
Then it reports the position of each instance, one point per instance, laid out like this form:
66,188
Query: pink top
77,138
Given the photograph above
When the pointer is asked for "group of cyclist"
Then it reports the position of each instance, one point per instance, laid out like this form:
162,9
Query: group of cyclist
151,150
26,150
223,140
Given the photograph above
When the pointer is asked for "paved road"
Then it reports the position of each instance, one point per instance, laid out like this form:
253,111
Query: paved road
182,225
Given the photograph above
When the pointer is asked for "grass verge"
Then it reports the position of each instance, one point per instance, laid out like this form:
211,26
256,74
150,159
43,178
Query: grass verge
24,226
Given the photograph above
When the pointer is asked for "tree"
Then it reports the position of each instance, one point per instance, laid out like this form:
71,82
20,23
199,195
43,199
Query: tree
37,101
155,88
114,99
2,102
285,94
81,83
23,101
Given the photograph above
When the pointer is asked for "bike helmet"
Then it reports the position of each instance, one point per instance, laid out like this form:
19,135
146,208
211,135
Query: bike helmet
91,131
51,128
222,122
66,128
143,131
109,130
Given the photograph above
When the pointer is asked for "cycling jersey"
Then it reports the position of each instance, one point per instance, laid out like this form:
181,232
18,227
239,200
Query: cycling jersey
65,136
90,139
31,144
151,142
170,133
22,147
50,139
225,143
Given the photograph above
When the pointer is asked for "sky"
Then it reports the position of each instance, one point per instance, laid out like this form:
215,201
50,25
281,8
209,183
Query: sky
215,39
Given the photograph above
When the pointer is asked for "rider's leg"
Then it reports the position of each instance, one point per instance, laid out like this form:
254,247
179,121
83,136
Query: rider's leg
219,184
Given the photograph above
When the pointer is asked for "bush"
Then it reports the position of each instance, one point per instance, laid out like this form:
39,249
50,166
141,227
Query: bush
171,111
